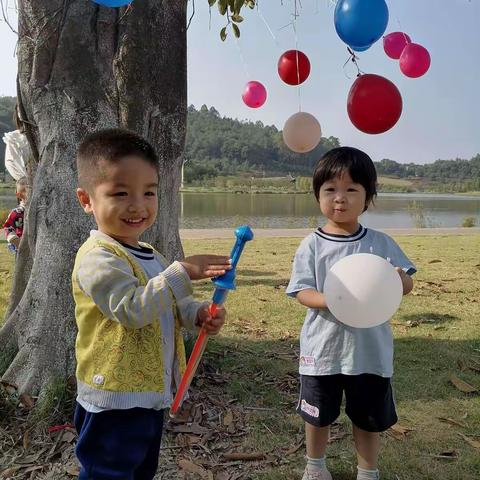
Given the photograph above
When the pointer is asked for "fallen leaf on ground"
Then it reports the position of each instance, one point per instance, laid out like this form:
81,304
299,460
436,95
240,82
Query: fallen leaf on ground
193,428
470,441
462,385
9,472
446,455
191,467
72,469
228,418
449,453
26,440
296,447
244,456
451,421
399,432
27,401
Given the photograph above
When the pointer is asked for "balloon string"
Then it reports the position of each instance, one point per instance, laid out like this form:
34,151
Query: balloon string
353,58
294,24
268,27
242,59
401,30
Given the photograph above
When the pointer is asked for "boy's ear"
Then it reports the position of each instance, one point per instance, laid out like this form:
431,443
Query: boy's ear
84,199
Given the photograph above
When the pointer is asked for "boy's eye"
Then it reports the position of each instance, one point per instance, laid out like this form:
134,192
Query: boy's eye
329,189
120,194
352,189
150,194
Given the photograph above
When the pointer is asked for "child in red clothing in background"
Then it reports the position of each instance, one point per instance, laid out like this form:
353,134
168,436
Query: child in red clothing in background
13,226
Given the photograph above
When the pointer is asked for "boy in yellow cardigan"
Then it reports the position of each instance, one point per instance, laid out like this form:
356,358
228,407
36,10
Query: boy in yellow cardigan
130,307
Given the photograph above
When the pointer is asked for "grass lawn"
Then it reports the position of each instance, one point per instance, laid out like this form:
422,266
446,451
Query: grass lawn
7,260
437,333
248,384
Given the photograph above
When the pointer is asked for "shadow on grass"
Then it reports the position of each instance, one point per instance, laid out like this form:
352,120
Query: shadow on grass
430,318
422,367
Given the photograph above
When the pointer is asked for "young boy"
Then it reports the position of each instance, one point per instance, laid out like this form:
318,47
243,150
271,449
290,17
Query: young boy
13,225
336,358
130,308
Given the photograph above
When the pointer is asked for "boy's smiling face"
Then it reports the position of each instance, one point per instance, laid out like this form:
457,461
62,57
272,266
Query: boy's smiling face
125,201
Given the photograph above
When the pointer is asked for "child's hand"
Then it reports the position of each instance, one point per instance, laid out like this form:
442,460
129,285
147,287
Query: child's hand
206,266
15,241
407,282
212,325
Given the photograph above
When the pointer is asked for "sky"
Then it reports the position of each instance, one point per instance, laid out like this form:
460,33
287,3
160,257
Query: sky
440,117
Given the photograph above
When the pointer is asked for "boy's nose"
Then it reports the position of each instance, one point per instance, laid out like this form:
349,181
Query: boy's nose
135,206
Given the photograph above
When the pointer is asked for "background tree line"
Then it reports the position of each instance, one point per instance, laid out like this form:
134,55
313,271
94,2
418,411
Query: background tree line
218,146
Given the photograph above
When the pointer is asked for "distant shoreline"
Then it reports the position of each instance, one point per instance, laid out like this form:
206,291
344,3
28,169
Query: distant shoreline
200,233
8,189
295,192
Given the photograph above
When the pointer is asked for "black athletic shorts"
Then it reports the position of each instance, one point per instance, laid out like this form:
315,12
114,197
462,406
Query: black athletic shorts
369,400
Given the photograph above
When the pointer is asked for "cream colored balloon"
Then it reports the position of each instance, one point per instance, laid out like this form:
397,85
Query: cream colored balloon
302,132
363,290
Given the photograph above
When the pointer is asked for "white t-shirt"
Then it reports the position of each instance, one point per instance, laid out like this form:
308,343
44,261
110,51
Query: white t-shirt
327,346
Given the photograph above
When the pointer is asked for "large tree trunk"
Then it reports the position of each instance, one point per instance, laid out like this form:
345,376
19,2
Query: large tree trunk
83,67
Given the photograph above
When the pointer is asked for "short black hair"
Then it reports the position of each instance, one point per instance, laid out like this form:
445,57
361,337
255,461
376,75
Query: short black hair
110,145
346,159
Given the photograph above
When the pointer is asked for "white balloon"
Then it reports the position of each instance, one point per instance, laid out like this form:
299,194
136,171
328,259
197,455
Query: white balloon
363,290
302,132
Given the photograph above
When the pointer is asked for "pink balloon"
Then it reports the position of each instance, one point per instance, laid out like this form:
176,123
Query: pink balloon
254,95
414,60
394,43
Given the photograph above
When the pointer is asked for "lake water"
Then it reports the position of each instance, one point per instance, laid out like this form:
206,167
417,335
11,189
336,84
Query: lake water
222,210
215,210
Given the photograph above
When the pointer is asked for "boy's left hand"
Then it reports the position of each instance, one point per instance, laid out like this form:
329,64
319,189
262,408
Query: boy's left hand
212,324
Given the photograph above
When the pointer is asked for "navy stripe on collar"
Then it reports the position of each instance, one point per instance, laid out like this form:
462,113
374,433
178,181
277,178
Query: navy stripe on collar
360,233
140,249
143,253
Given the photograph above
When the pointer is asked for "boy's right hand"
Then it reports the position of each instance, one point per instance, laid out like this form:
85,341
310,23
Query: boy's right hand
206,266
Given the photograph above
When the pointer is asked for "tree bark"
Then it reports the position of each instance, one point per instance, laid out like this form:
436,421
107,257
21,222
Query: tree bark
83,67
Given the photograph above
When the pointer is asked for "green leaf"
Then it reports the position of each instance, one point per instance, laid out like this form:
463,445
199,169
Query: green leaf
251,4
223,33
211,3
231,4
237,18
238,6
222,7
236,30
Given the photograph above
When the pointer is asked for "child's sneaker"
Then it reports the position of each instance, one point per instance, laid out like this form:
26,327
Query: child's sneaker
323,474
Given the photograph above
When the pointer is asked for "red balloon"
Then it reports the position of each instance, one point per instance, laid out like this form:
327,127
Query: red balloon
374,104
415,60
394,43
287,67
254,95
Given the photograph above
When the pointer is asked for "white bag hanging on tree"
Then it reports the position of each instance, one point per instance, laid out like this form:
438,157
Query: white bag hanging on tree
17,151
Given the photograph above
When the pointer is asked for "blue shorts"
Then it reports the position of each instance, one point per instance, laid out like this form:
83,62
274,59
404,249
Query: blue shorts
369,400
118,444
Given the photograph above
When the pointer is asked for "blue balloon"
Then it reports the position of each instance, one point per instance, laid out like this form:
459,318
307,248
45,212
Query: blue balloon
361,22
360,49
113,3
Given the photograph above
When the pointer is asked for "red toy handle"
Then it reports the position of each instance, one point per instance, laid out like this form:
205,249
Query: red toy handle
192,364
